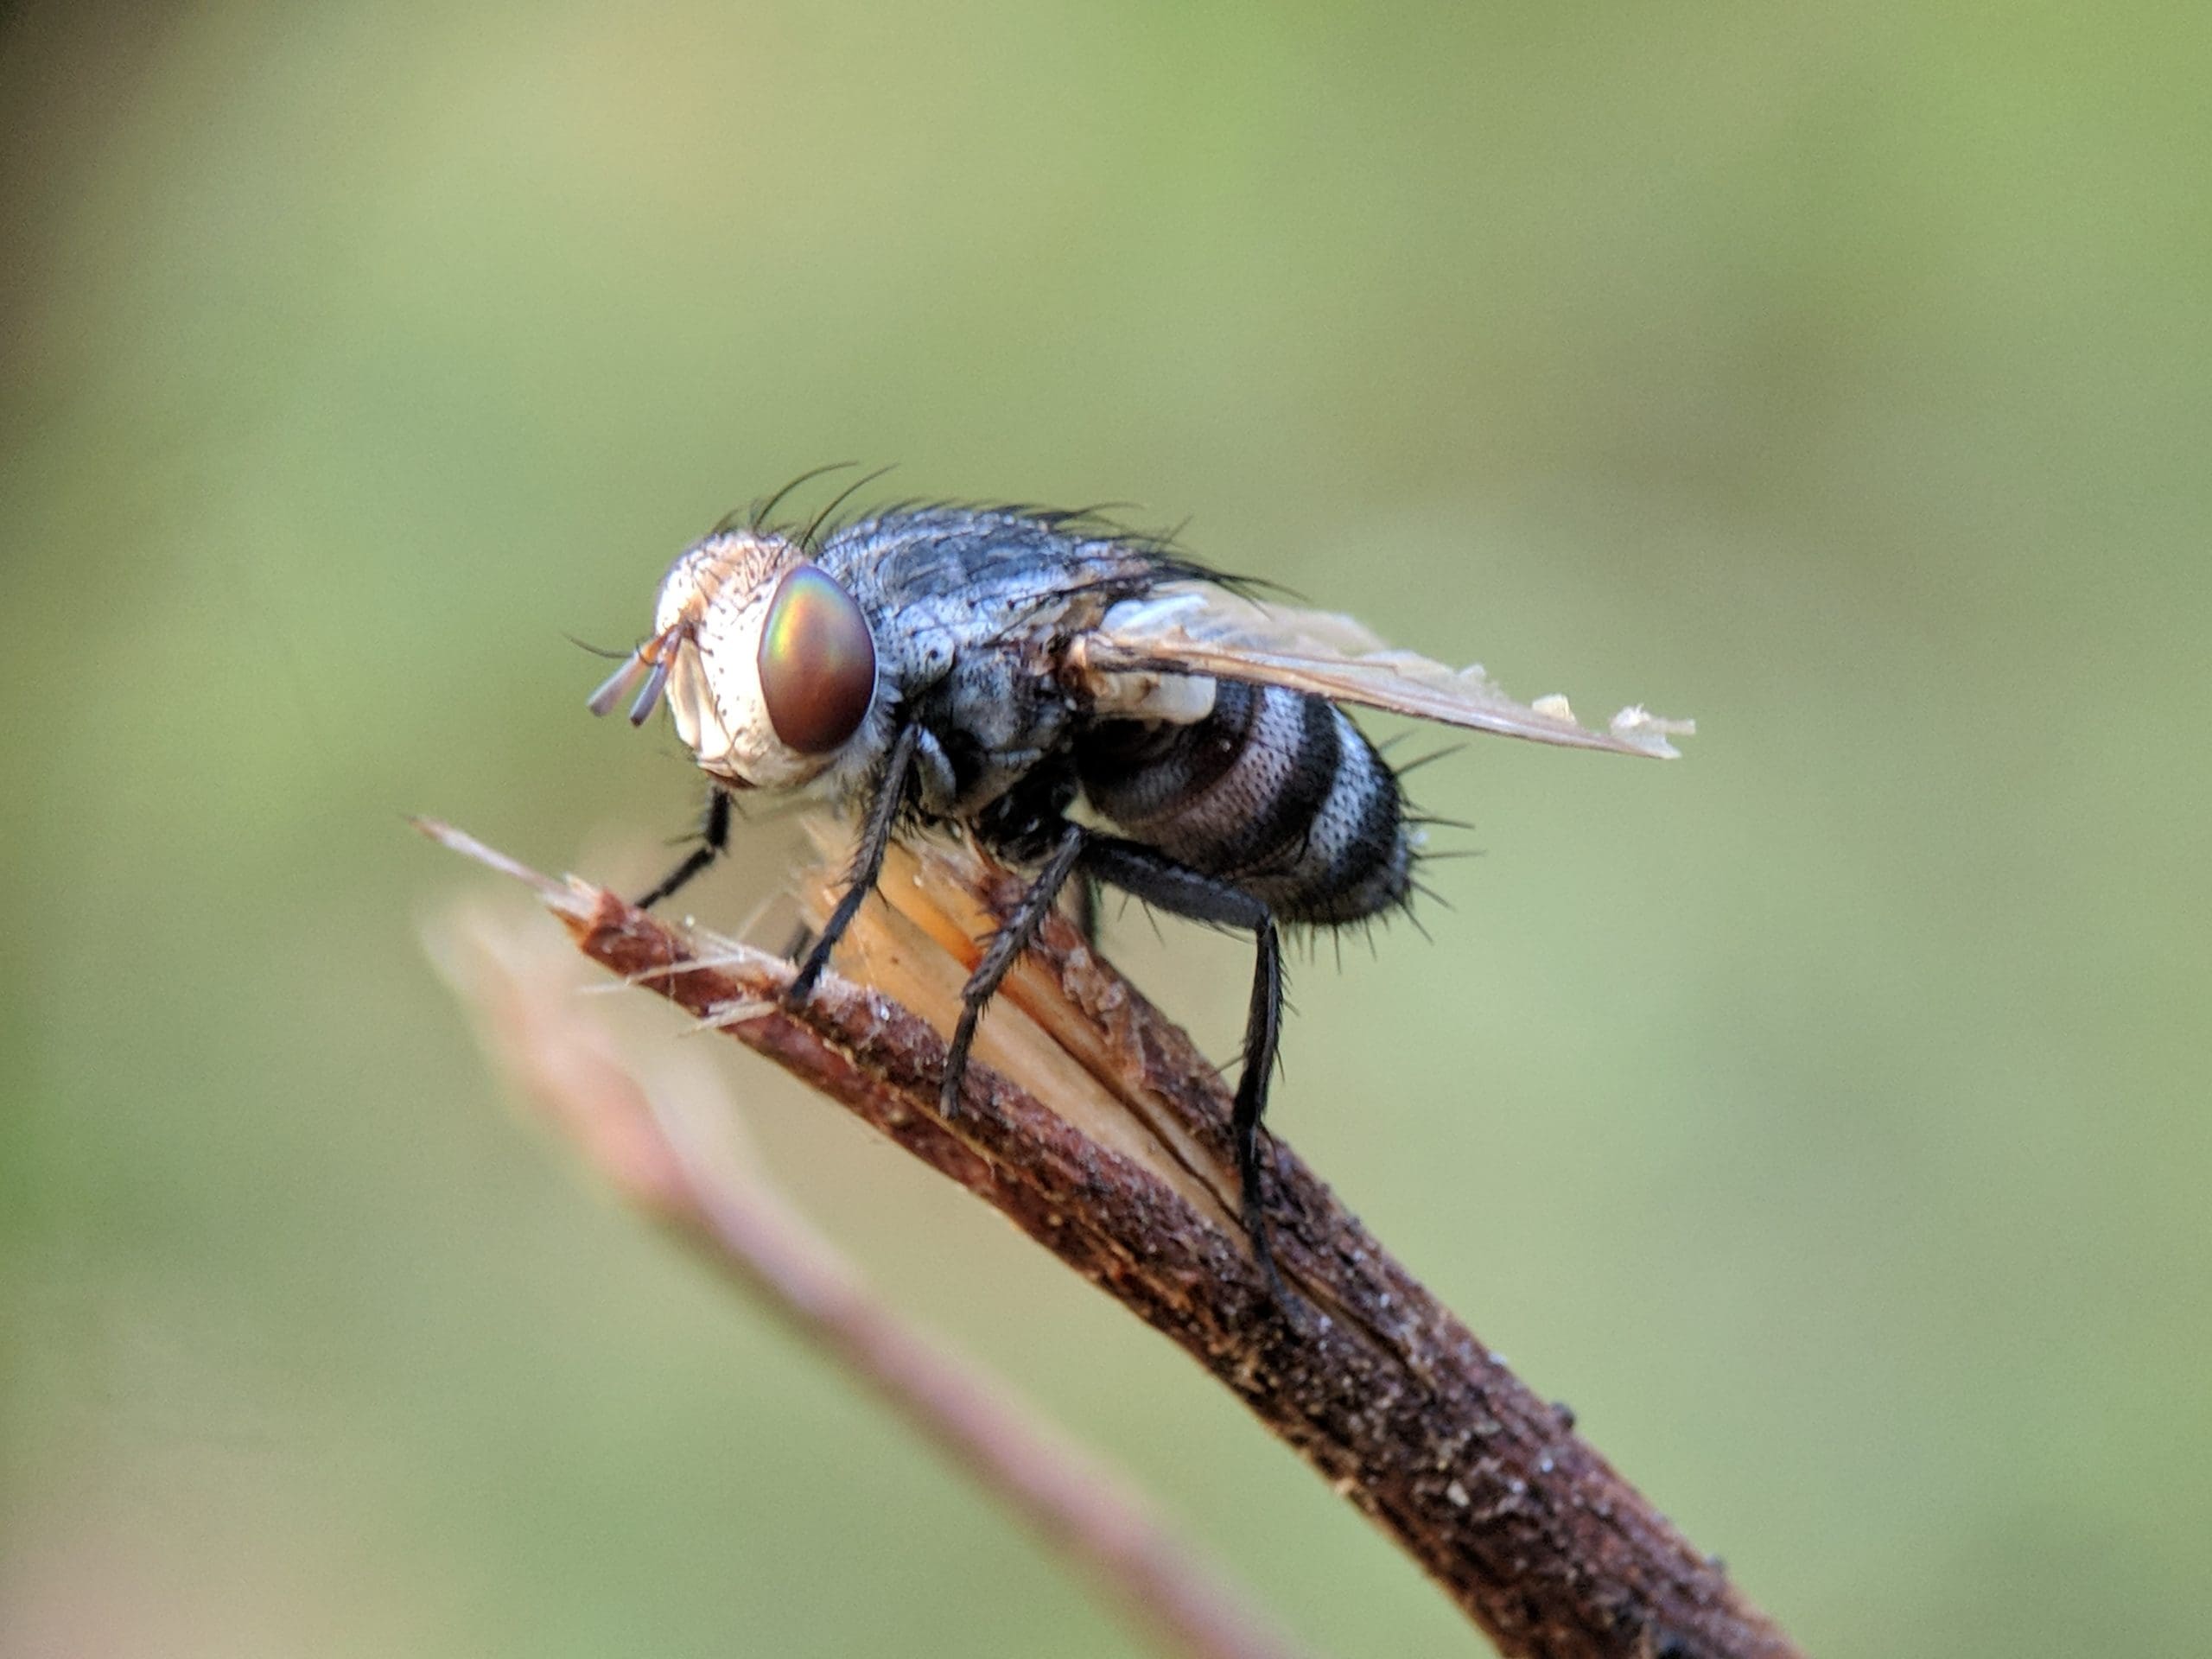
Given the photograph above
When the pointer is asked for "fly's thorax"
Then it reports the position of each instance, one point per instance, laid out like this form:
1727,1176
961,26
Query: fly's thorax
772,670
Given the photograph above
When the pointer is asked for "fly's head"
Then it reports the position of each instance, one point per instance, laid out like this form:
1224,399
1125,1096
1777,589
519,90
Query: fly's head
767,663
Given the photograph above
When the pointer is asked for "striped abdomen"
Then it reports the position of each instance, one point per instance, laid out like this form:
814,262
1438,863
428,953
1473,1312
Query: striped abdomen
1274,791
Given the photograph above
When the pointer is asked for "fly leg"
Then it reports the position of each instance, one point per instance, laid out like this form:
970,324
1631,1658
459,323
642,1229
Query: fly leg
1160,881
882,818
1005,946
1083,910
714,836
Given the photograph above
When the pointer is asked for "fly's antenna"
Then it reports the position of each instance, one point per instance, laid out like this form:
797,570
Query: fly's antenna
610,688
647,668
610,652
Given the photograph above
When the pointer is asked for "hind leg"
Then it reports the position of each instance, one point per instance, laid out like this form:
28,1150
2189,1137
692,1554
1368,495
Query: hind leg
1159,880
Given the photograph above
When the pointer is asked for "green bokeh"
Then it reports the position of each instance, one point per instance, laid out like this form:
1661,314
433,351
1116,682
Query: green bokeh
1824,1116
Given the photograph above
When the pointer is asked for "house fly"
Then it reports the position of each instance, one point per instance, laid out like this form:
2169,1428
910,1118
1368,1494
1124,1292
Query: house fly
991,668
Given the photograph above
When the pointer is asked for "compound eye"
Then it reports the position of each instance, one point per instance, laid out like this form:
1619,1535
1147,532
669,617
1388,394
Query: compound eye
817,661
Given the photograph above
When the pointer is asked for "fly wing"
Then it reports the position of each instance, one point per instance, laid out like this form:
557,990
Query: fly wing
1195,628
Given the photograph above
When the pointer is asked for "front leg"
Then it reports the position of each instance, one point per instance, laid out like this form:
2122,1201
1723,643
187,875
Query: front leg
714,836
1159,880
880,819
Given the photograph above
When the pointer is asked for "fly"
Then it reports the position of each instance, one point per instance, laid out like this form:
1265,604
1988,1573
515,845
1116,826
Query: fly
988,668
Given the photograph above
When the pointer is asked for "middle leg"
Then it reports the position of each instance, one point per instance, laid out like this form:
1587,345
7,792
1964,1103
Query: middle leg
998,956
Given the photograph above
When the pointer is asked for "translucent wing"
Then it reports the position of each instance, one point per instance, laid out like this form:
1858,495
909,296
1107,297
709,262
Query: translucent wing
1194,628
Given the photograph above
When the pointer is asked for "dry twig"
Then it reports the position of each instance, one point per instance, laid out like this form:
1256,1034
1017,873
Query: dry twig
672,1152
1094,1125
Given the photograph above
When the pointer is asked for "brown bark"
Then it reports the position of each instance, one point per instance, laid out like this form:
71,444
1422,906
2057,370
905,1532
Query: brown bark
1125,1175
677,1154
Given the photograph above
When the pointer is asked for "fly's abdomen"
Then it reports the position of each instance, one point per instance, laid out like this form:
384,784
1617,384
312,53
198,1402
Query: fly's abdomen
1274,791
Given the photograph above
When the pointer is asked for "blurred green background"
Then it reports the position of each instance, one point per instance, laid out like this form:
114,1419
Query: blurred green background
1823,1115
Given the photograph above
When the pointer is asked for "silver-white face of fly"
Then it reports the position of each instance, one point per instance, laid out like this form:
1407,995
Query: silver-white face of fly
769,665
